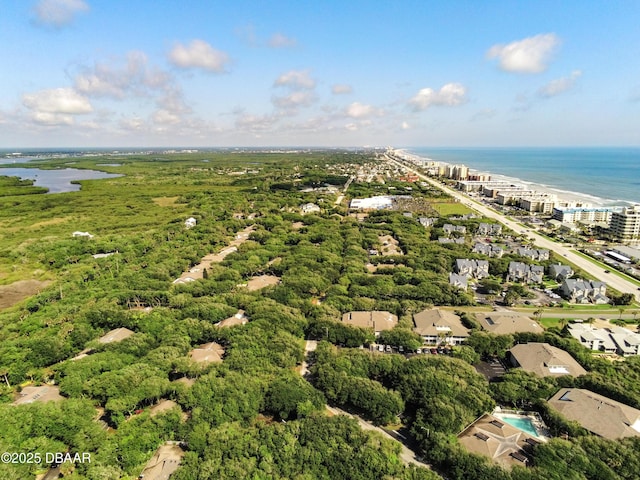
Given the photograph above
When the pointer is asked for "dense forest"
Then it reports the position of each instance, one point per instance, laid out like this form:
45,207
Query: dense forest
252,415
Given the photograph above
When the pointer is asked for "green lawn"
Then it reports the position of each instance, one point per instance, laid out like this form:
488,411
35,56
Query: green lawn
451,208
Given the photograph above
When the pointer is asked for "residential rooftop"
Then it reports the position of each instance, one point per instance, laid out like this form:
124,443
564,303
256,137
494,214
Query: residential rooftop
207,353
545,360
502,443
598,414
378,320
507,322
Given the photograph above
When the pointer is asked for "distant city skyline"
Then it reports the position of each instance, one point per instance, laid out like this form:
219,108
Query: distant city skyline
98,73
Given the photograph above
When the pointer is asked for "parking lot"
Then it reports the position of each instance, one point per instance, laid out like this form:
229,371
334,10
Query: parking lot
491,369
420,351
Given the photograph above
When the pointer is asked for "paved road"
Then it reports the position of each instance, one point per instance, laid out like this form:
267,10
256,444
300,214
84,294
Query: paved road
613,280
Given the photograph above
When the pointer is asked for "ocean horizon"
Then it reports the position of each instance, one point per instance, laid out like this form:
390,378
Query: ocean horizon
607,176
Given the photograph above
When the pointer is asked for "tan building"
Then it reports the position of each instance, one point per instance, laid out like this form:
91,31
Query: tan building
502,443
207,353
116,335
377,320
598,414
625,225
507,322
238,319
545,360
437,326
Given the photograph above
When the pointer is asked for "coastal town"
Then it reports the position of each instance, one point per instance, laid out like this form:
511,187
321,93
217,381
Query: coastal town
409,304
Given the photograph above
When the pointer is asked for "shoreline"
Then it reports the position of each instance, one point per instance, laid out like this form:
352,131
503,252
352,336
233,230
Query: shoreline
560,193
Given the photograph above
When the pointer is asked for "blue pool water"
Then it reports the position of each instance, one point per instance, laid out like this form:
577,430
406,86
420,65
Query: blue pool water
523,423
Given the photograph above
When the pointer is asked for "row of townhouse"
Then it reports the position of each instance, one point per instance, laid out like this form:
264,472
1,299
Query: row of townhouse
618,340
524,273
577,290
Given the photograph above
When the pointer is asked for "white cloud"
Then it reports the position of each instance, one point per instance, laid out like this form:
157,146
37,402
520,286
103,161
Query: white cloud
405,126
132,123
529,55
52,119
296,79
254,123
278,40
341,89
560,85
352,127
165,117
449,95
59,13
57,100
199,54
360,110
117,78
294,100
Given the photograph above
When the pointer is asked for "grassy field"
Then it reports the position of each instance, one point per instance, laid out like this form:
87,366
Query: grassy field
450,208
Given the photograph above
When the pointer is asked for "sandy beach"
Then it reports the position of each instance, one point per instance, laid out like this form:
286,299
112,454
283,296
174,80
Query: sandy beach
562,195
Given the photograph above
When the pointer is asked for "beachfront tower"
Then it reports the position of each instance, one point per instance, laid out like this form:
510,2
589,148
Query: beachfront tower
625,225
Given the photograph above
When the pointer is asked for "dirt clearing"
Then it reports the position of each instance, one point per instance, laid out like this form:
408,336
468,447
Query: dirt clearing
18,291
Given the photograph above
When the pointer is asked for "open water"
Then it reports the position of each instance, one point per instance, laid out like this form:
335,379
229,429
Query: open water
56,180
610,176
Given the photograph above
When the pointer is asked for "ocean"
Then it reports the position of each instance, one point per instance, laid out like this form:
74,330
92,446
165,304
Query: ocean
603,176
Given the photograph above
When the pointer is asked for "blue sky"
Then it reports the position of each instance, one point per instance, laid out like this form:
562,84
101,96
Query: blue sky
100,73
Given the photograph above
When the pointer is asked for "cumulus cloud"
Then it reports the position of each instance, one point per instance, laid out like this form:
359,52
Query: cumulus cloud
296,79
58,13
449,95
529,55
117,78
256,123
278,40
132,123
57,100
199,54
560,85
165,117
56,106
341,89
360,110
52,119
295,99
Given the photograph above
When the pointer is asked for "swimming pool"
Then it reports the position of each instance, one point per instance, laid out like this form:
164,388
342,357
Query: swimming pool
522,422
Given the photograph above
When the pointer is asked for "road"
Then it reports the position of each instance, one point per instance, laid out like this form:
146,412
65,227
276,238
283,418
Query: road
620,284
344,191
